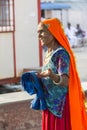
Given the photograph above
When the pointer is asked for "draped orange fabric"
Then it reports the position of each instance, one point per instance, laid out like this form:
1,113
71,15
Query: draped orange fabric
77,109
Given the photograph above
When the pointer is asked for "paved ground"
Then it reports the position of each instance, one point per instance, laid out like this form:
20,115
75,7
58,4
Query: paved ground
81,61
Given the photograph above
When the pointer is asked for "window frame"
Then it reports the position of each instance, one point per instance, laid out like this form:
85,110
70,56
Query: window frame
7,16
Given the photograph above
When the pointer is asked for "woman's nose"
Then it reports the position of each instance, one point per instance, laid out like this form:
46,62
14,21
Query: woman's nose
40,35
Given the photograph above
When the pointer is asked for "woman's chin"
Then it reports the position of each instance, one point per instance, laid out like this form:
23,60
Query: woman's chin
42,44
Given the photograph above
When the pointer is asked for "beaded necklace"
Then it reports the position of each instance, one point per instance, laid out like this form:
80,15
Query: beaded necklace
47,57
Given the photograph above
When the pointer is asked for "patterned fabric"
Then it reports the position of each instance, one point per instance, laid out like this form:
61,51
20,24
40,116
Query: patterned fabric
56,95
52,122
76,100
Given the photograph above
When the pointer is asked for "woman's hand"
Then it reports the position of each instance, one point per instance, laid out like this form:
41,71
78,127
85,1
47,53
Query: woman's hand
46,73
54,77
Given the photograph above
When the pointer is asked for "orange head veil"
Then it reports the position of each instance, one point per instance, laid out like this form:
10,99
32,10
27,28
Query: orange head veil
77,109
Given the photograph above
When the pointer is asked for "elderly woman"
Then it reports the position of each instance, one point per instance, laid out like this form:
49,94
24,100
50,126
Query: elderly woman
62,87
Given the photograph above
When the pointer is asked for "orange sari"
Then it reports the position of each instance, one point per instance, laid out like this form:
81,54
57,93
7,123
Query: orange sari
78,115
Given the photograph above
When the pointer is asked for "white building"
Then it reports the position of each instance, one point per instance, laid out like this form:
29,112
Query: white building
76,14
19,48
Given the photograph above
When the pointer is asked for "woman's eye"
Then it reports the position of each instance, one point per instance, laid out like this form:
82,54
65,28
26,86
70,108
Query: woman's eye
42,32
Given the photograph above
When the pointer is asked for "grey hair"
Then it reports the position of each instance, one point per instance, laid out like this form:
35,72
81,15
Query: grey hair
47,25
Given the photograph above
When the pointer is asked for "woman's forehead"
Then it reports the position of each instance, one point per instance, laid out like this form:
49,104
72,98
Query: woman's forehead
42,26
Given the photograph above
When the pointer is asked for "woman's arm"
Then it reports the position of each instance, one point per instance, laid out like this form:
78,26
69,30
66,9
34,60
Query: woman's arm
57,79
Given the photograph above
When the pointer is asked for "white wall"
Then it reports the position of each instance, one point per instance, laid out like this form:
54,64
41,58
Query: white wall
47,0
26,40
6,56
78,14
27,48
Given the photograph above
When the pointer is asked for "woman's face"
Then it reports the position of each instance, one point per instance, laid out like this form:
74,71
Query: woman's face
44,35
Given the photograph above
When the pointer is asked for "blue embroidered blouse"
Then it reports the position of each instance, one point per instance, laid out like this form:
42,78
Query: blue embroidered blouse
55,95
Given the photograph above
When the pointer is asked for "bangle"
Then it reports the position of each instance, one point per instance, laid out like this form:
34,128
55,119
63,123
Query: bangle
60,80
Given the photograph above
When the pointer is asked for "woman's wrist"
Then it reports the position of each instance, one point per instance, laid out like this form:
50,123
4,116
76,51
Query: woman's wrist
55,77
59,81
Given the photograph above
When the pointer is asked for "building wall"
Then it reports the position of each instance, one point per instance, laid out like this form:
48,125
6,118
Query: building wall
76,14
6,55
26,39
20,49
19,116
47,0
